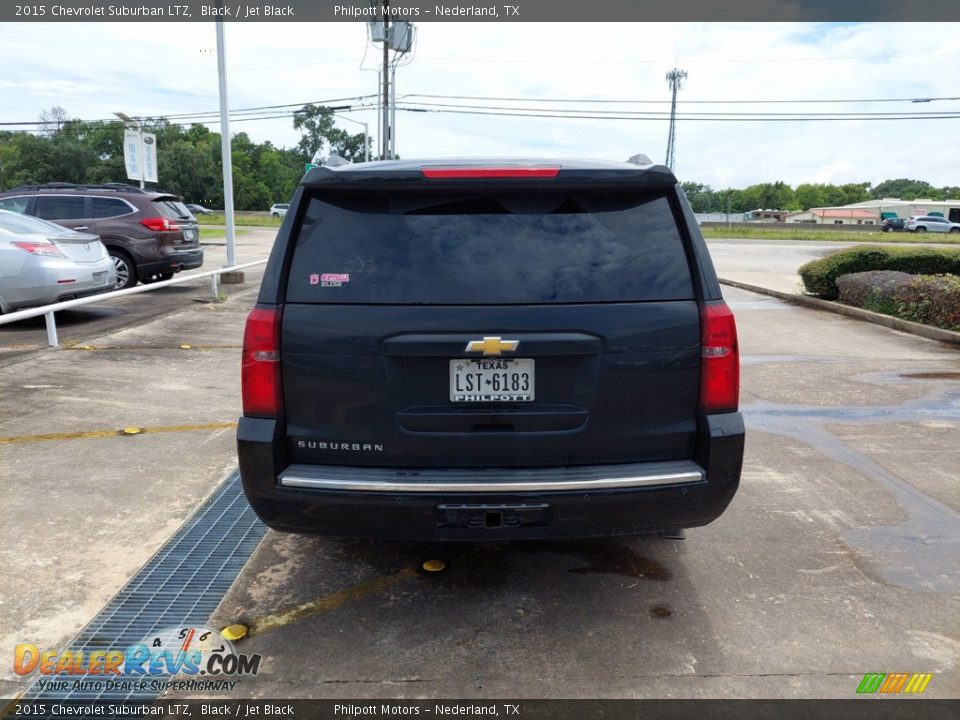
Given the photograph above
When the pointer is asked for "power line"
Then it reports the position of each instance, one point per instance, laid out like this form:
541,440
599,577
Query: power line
946,116
666,113
598,101
659,116
211,113
683,102
692,61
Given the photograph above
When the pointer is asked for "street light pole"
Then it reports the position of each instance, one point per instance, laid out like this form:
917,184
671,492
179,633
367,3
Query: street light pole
366,134
225,150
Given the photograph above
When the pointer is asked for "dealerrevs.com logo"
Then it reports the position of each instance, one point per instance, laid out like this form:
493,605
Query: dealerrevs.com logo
894,683
188,651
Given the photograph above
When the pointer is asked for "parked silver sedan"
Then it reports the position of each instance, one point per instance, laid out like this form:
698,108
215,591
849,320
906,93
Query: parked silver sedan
42,263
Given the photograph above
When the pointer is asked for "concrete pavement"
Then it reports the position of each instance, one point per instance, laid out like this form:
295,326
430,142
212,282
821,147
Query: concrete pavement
83,511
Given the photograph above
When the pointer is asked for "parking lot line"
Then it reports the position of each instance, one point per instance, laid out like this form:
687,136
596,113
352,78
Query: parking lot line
183,346
330,602
17,439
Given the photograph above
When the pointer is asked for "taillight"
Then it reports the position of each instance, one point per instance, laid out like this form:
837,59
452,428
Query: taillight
260,367
452,173
159,224
39,248
720,362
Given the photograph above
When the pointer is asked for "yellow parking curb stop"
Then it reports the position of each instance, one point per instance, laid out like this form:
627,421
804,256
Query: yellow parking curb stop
233,632
434,566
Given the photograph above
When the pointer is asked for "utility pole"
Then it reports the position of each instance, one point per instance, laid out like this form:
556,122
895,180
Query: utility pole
398,37
675,77
385,105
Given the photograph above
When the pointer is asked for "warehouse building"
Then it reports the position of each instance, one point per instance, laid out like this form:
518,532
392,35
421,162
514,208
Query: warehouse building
873,212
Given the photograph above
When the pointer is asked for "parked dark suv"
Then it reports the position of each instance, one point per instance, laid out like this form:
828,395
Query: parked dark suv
150,235
486,350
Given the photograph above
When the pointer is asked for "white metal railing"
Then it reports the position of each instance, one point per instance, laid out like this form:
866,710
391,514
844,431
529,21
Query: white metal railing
48,310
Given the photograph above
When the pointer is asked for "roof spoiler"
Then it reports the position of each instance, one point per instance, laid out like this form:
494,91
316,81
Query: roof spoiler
336,161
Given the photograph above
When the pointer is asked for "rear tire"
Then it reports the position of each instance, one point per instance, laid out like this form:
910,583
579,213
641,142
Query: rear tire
126,269
921,229
954,230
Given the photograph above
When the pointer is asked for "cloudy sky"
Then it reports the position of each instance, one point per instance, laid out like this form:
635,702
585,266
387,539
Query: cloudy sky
158,68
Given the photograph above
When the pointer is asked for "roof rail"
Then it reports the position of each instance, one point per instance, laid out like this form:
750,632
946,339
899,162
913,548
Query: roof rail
43,186
640,159
116,186
126,187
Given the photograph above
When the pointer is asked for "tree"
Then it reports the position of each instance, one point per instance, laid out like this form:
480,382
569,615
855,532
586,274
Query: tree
810,195
53,119
703,198
904,189
320,137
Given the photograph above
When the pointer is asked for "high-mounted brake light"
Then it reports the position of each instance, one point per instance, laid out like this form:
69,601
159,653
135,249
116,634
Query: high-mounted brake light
39,248
720,361
458,173
260,366
159,224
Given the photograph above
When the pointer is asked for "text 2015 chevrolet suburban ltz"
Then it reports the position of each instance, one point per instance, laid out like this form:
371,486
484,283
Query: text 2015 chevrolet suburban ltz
474,350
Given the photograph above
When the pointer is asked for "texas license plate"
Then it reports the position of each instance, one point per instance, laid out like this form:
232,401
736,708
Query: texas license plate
491,380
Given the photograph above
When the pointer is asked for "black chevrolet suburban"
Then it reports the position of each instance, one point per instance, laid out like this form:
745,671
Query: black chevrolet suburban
485,350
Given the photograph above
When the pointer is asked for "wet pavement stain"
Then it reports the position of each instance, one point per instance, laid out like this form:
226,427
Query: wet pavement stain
608,558
764,359
932,375
923,552
660,612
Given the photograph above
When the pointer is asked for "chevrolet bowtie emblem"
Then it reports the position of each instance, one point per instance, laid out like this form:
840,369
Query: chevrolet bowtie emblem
492,346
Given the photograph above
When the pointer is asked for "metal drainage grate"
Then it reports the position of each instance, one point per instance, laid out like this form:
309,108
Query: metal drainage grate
181,585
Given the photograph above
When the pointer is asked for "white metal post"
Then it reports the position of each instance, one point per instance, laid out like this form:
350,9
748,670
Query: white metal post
52,340
225,145
142,164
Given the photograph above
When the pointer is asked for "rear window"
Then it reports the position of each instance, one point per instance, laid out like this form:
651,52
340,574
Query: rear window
104,207
15,204
172,209
472,249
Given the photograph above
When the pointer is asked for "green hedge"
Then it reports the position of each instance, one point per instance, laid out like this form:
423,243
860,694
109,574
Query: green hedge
820,276
929,299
